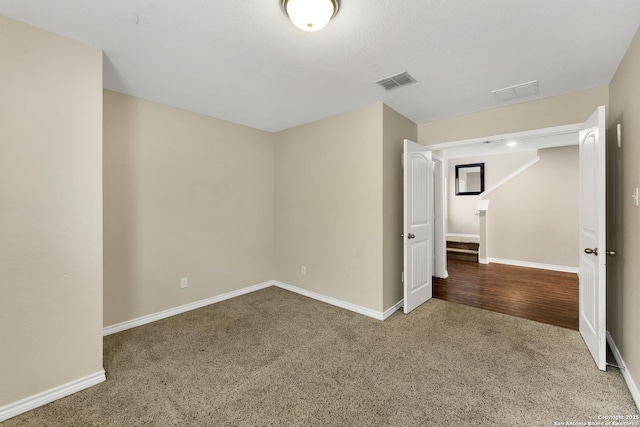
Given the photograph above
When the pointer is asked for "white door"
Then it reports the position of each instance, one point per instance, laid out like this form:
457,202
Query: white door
593,236
418,225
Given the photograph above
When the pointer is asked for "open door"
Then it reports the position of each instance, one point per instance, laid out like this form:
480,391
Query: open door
418,225
593,236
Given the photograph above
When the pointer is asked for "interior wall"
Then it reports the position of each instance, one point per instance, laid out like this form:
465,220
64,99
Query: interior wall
623,316
462,218
574,107
50,211
534,216
396,128
185,195
329,214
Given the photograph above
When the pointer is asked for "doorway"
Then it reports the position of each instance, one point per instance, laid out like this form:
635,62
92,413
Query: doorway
469,227
592,235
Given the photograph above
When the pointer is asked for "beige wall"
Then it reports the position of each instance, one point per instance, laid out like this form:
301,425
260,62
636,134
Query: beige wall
534,216
50,211
178,204
328,179
185,195
623,315
396,128
461,210
575,107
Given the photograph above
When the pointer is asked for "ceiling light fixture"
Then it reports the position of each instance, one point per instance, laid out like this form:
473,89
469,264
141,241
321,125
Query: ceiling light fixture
512,143
310,15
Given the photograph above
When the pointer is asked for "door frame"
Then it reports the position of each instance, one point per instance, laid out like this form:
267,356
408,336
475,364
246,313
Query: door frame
529,134
440,217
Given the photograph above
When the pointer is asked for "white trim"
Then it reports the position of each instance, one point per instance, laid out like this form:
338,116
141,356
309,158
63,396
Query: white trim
510,176
555,130
332,301
181,309
437,158
41,399
444,276
388,312
465,236
633,389
563,268
202,303
483,261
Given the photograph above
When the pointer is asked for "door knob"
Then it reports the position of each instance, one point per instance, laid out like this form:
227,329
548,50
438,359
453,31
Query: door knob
591,251
611,252
402,235
412,236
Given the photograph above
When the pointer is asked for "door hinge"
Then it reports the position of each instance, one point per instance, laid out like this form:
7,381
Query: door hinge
403,277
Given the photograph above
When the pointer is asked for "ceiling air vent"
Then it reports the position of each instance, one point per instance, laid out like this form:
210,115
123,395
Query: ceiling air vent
396,81
518,91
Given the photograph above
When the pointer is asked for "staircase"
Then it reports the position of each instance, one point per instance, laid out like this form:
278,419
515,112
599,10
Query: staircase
462,250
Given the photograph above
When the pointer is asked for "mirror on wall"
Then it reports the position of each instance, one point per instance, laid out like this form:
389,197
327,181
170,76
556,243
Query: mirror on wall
469,179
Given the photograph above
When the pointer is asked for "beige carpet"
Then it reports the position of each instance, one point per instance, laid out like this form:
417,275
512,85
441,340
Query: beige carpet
276,358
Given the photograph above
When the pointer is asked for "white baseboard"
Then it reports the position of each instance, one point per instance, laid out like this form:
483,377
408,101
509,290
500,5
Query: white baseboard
388,312
41,399
633,389
29,403
181,309
562,268
483,261
336,302
202,303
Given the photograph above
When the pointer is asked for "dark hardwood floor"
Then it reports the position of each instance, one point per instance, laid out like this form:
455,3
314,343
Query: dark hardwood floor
542,295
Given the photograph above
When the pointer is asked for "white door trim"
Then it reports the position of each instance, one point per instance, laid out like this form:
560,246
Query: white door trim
554,130
439,219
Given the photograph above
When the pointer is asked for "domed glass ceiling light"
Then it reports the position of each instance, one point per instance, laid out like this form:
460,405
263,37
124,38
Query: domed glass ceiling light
310,15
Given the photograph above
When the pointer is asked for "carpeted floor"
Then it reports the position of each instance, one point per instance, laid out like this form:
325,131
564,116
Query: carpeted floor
274,358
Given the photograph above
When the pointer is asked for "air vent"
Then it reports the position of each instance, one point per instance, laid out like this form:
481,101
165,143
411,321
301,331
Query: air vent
517,91
396,81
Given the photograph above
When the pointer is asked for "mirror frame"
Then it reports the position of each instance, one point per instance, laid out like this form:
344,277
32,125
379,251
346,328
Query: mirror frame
470,193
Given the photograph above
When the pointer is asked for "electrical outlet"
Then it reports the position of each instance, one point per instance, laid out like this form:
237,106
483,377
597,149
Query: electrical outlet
184,283
303,270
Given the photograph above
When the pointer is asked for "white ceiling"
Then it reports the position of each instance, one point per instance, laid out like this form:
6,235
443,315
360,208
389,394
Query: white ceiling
243,61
